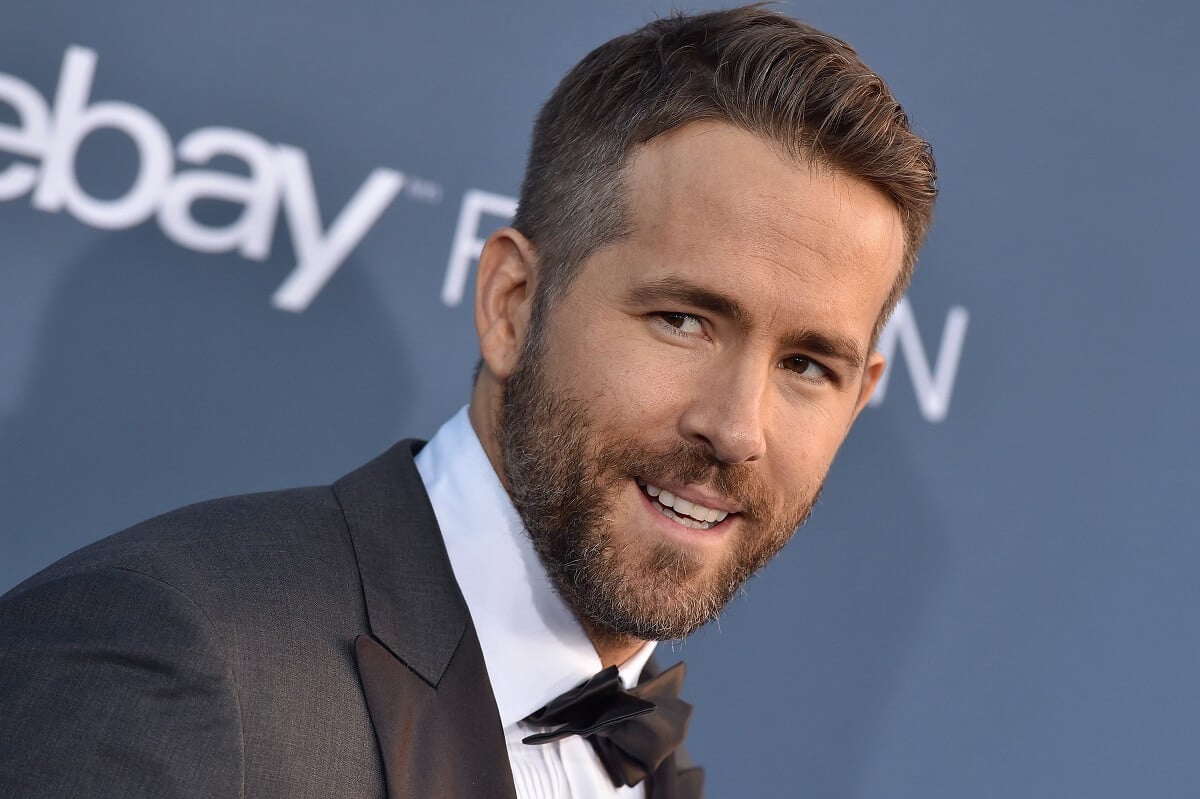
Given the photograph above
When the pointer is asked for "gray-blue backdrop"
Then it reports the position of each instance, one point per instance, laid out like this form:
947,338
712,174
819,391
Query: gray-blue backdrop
232,241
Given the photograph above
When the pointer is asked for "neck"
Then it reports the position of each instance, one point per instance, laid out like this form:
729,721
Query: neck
612,649
483,411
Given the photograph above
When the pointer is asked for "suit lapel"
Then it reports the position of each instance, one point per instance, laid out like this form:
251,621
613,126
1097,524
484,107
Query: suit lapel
422,670
413,603
435,742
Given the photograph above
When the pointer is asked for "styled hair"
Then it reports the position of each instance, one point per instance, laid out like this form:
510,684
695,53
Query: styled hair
759,70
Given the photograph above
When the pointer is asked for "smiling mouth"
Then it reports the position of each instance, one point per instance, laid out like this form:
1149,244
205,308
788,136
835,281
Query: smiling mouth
681,511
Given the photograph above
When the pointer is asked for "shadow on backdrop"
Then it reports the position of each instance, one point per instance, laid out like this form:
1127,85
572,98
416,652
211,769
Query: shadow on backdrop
163,377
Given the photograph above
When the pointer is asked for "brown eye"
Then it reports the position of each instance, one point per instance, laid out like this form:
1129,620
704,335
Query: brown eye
805,367
683,322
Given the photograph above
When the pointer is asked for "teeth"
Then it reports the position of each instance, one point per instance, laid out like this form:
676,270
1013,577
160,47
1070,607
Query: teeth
686,521
684,510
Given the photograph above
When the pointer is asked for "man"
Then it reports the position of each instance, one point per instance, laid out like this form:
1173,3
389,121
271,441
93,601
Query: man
719,214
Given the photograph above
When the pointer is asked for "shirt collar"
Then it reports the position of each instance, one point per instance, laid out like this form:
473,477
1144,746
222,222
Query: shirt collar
532,644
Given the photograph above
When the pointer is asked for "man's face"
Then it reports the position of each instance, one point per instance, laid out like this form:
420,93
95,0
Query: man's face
672,417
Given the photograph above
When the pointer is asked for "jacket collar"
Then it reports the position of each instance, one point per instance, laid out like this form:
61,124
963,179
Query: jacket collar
414,607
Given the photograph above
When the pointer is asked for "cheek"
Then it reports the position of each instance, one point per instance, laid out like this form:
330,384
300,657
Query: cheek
803,442
623,377
644,399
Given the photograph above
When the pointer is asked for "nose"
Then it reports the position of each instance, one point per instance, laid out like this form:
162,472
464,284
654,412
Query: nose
727,413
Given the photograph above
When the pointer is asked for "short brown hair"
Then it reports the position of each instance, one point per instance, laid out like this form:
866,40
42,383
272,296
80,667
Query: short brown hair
755,68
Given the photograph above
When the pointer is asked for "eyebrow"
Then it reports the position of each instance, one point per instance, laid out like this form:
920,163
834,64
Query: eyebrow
683,291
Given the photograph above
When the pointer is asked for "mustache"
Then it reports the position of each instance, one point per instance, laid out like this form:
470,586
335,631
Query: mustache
691,463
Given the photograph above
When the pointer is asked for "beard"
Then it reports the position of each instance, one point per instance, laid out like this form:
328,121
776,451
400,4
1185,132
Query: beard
565,475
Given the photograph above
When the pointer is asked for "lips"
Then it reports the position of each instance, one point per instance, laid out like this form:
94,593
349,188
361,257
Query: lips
685,512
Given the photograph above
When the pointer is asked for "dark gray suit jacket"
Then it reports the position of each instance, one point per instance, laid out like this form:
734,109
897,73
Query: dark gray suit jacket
302,643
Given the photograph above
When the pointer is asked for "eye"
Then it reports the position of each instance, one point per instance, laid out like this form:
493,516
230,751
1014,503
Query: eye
806,368
685,323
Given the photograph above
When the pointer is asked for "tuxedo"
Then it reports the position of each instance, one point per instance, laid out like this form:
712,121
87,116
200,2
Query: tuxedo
303,643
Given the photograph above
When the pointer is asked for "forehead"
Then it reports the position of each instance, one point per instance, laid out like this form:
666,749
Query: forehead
789,238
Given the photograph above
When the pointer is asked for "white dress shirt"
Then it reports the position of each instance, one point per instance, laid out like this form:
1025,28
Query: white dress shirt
532,644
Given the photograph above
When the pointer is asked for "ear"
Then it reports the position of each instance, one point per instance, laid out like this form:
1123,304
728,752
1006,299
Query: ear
875,366
504,290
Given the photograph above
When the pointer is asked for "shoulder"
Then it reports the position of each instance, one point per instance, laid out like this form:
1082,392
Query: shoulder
112,679
234,558
222,622
215,536
141,622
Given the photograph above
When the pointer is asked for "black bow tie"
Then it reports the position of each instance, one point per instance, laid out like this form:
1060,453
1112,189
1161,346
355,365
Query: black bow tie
632,731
